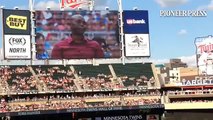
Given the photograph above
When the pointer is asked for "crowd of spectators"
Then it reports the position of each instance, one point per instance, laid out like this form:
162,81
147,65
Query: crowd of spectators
23,79
26,79
132,82
198,99
107,82
100,82
69,102
56,78
192,101
133,102
60,21
19,79
190,92
86,96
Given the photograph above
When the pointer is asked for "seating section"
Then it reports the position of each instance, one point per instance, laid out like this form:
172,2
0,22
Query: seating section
56,77
51,87
92,71
95,77
56,102
19,79
77,86
134,74
89,77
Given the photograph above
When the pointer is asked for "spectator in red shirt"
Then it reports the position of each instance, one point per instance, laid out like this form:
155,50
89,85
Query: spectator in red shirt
76,46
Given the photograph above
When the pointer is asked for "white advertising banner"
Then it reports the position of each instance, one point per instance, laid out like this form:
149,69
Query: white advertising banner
137,45
204,53
17,47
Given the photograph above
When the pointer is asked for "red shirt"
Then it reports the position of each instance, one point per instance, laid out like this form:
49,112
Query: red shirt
67,49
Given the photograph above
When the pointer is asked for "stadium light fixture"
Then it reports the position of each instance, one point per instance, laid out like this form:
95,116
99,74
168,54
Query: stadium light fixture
135,8
16,8
79,8
107,8
62,9
33,50
48,8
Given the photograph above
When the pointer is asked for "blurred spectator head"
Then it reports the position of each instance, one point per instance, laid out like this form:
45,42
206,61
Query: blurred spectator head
40,43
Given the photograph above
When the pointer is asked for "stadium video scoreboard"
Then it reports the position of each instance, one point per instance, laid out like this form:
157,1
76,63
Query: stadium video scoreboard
52,28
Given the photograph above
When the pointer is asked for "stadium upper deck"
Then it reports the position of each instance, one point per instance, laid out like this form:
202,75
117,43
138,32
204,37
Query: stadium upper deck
46,88
17,79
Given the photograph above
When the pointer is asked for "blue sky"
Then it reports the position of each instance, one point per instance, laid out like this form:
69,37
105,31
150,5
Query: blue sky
170,37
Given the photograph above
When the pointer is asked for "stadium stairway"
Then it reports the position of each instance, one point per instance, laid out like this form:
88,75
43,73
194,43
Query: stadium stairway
4,87
76,78
112,72
161,80
40,84
114,75
90,71
133,73
164,98
157,82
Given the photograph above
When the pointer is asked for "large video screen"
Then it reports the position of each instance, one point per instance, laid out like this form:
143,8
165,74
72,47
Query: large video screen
77,35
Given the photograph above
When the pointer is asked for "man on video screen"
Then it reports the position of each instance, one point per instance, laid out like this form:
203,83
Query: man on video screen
76,46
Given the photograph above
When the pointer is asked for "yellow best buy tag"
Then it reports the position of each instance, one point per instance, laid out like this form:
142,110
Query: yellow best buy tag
17,22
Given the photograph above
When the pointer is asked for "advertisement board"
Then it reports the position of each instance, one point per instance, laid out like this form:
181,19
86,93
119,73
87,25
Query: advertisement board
204,82
204,53
137,45
16,22
17,46
136,21
16,34
77,34
136,33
